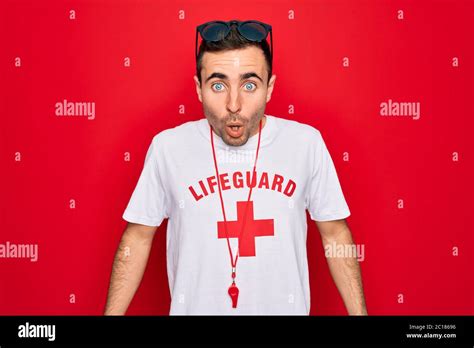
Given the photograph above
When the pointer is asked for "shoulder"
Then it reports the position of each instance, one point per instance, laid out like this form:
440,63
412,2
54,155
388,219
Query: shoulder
299,131
175,135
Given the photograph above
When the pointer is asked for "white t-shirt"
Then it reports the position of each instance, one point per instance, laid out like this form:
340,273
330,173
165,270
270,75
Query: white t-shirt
294,172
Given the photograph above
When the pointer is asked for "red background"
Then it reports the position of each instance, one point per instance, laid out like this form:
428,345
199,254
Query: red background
407,251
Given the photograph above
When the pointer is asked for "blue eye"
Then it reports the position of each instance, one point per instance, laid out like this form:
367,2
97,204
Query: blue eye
218,84
249,84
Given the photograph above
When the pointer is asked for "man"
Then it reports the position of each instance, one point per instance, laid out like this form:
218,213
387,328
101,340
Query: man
235,187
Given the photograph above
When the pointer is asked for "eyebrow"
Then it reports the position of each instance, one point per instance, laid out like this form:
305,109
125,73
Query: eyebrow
225,77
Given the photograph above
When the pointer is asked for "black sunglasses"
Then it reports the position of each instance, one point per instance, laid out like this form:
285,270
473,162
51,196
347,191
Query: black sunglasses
252,30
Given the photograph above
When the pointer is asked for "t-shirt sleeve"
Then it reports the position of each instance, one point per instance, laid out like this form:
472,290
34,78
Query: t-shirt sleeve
147,205
325,200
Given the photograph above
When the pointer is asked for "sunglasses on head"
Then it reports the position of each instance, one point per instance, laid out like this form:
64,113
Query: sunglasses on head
252,30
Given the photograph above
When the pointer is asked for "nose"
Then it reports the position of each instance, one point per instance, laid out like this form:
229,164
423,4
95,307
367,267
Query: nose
234,104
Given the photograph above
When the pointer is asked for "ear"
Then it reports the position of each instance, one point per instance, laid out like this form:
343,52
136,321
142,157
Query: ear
271,84
198,88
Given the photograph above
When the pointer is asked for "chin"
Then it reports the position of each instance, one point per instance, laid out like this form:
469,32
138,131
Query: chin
235,141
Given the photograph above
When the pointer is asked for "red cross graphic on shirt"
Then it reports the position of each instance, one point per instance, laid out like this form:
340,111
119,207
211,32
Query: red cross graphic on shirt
253,228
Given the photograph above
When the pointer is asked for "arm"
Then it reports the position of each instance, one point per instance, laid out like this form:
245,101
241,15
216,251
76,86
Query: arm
128,268
345,270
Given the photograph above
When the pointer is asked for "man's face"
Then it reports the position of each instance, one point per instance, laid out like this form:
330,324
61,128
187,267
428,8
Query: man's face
234,92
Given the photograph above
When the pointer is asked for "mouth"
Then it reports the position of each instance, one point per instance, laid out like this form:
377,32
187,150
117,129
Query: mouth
234,130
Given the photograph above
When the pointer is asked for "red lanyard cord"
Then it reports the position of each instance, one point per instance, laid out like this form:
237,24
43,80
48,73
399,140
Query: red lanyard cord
234,265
